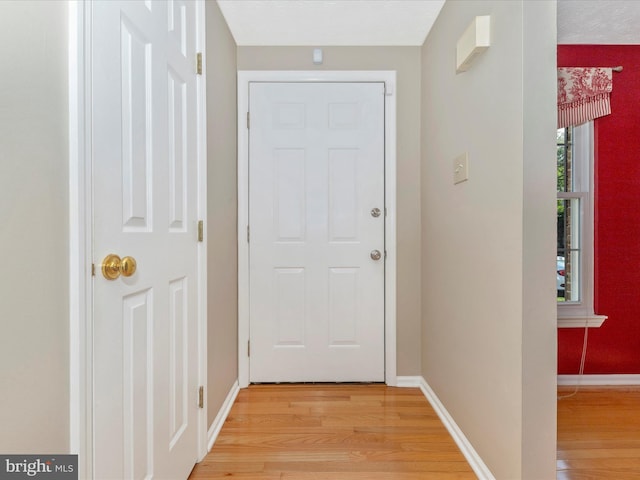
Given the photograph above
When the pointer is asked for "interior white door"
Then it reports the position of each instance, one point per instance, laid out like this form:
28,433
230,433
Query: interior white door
144,154
316,218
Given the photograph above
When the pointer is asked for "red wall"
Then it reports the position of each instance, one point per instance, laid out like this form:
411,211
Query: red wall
614,347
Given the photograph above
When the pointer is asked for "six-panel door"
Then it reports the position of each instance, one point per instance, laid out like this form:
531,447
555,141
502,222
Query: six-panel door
316,172
145,190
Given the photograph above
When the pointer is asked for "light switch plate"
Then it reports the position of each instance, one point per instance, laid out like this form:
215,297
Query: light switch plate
461,168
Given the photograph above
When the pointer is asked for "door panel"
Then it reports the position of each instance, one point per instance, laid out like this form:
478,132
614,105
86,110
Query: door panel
144,154
138,384
136,131
289,188
316,170
343,195
178,359
289,306
343,306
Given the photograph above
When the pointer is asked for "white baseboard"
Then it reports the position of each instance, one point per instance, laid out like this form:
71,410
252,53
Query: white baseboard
624,379
216,425
475,462
409,382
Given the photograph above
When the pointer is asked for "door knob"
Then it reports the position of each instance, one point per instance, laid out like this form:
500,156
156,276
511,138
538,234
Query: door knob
113,266
376,255
375,212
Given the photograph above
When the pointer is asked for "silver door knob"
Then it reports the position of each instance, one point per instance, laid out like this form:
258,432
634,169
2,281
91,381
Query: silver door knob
375,212
376,255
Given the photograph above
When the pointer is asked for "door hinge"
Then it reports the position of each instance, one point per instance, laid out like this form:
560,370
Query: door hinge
200,230
93,269
201,397
248,122
248,348
248,235
199,63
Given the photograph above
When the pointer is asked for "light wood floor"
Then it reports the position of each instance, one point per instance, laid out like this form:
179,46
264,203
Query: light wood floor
371,432
599,434
345,432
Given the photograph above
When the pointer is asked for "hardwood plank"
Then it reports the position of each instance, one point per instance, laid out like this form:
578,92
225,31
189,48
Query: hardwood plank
596,475
329,431
365,466
577,453
362,418
376,476
373,432
280,420
205,468
598,433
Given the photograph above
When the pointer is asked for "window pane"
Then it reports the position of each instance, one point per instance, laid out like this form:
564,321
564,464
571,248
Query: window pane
561,135
564,157
569,251
572,292
562,177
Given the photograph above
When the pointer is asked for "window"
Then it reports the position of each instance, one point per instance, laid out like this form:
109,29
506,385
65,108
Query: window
574,261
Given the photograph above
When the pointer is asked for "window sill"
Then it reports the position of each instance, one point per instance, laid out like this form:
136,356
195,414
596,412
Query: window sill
570,321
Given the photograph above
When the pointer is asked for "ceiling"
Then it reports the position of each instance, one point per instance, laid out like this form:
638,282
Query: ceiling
615,22
404,22
330,22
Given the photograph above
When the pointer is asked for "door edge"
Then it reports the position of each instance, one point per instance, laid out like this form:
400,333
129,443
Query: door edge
201,92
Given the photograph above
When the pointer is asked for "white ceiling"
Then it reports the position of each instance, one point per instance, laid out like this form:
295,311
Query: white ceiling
404,22
330,22
614,22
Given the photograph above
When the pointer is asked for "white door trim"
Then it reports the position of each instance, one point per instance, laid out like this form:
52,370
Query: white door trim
80,207
389,78
80,235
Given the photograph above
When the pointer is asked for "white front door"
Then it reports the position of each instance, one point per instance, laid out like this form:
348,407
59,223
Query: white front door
316,219
144,156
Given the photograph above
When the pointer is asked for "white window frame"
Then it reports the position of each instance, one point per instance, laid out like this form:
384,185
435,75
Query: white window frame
580,314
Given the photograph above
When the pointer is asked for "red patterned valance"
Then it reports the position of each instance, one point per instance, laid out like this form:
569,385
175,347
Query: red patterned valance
583,94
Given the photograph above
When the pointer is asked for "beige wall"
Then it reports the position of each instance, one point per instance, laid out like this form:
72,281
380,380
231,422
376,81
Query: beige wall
488,346
34,312
471,257
406,61
222,296
539,322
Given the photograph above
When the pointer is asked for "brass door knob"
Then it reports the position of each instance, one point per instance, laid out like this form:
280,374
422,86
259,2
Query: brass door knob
128,266
113,266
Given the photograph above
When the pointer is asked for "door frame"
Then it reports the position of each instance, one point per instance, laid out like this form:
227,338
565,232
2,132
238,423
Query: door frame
389,78
81,235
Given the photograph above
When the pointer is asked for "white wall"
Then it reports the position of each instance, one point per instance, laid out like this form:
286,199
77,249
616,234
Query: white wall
34,312
488,306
